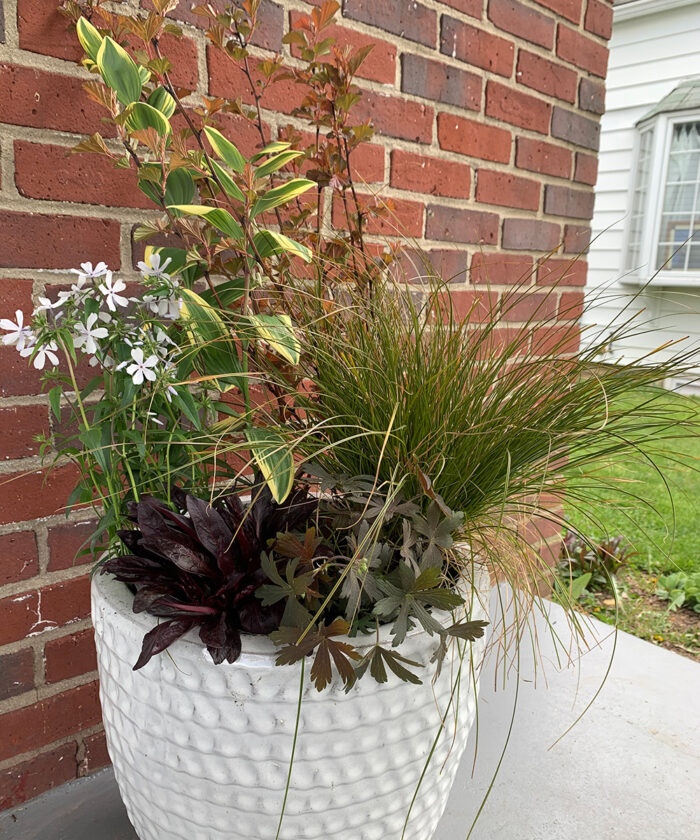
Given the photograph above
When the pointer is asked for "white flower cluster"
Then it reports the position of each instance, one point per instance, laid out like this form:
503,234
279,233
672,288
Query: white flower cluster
104,323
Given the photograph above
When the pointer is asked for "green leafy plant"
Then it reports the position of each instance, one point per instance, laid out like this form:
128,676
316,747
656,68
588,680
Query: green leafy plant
217,205
680,589
571,590
432,441
117,374
600,561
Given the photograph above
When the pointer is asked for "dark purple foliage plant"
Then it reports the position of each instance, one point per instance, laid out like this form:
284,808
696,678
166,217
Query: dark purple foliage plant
201,566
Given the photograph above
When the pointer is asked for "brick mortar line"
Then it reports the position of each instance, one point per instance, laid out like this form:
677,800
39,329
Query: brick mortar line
58,208
126,252
42,546
7,171
11,30
276,118
65,139
31,464
39,642
77,738
14,133
38,399
20,400
53,520
39,695
46,578
38,61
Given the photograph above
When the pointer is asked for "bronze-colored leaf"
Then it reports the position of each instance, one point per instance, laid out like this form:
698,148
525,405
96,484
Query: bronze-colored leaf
95,145
467,630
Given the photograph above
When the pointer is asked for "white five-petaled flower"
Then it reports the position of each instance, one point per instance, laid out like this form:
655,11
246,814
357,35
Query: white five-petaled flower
78,290
46,304
46,351
19,334
151,267
87,333
140,368
163,338
110,289
87,272
166,307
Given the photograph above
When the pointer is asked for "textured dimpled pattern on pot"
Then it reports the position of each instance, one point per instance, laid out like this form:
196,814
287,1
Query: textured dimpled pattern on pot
201,752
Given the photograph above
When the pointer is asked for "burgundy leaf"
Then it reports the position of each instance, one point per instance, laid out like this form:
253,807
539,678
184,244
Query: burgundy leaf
179,497
130,539
240,525
183,523
212,532
181,555
147,596
155,518
150,518
161,637
223,641
258,620
200,566
133,569
178,608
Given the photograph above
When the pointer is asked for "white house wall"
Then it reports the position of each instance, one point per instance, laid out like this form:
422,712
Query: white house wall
649,57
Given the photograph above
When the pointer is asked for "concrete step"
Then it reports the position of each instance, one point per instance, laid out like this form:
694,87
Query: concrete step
628,770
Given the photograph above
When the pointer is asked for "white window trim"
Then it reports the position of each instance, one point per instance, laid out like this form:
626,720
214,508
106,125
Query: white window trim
639,8
644,273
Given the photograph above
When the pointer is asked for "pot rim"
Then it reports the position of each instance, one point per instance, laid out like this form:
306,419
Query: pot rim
117,595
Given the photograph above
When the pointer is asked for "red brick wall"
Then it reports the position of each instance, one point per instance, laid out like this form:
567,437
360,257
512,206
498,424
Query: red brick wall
487,112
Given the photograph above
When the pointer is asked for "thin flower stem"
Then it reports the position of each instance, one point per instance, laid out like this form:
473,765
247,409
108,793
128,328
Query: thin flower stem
86,425
294,746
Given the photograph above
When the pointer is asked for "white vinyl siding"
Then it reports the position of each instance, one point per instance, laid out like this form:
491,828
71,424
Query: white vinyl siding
649,57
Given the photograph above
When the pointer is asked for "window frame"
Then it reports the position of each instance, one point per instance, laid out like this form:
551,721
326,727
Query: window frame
662,126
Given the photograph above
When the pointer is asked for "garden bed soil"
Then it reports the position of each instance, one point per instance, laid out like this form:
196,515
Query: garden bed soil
644,614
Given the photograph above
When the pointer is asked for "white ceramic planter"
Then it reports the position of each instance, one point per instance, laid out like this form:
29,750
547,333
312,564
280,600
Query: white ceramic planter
201,751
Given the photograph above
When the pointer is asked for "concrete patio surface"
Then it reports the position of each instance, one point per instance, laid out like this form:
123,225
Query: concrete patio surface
629,770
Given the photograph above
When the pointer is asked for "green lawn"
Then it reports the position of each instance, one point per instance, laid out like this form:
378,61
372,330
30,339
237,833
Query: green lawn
665,528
